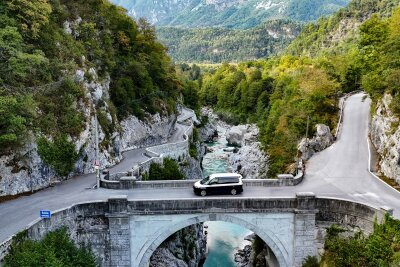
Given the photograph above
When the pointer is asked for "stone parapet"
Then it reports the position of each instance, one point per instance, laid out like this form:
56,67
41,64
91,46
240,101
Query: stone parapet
133,183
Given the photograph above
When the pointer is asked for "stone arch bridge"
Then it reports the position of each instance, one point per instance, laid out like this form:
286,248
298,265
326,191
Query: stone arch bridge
125,233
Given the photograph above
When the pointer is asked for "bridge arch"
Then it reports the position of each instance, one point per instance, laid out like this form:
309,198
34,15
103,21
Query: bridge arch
268,237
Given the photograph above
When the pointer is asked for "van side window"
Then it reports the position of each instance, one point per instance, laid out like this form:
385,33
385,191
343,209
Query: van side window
214,181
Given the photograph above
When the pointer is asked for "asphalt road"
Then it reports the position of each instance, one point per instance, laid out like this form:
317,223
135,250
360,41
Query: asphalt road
340,171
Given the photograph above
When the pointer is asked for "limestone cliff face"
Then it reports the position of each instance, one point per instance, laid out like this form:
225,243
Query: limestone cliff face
385,135
24,171
185,248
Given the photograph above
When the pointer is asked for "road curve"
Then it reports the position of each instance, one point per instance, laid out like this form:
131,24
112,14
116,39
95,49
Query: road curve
343,169
340,171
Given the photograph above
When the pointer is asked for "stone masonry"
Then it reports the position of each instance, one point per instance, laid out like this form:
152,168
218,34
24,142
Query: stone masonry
126,233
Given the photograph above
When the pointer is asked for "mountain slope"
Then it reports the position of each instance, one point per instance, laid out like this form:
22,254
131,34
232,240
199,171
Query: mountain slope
237,14
339,28
218,45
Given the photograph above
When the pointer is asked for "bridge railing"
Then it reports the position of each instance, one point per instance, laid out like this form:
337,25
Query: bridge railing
133,183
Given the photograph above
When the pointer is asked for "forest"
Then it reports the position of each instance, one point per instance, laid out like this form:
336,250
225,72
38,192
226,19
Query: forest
216,45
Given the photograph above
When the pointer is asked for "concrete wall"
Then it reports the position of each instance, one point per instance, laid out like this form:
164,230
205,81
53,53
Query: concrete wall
125,233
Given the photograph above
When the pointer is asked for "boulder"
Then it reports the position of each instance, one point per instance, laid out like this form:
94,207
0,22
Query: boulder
323,139
209,132
250,161
235,135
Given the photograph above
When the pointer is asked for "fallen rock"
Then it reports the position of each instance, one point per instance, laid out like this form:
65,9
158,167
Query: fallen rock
323,139
235,135
250,161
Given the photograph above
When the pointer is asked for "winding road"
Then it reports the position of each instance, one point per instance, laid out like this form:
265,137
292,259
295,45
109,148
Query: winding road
341,171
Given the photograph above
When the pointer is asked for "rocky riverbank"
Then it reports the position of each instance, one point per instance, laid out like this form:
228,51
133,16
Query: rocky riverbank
242,151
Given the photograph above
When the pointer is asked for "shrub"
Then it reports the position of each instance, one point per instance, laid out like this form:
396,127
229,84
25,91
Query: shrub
311,261
168,171
56,249
60,154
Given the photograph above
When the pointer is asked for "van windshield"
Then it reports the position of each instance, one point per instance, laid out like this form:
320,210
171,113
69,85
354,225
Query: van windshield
205,180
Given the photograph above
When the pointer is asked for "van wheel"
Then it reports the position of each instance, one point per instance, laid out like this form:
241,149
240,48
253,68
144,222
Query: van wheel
203,193
233,191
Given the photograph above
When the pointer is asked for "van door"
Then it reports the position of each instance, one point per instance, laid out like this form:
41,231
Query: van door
213,187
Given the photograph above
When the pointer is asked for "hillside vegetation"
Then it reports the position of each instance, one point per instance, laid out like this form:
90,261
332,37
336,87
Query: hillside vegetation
42,45
56,249
216,45
381,248
341,28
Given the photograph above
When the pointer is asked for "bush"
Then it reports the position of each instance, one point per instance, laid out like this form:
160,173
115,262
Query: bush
311,261
381,248
168,171
60,154
193,150
56,249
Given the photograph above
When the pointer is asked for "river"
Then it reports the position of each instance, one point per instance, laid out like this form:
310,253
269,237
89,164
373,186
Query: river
223,239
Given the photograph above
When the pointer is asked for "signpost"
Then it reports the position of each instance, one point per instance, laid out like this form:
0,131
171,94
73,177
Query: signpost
97,162
45,214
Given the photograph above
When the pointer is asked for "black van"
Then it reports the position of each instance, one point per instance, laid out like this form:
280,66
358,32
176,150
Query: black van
219,183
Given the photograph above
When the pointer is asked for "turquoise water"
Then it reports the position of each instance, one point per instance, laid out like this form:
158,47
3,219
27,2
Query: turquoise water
216,161
223,239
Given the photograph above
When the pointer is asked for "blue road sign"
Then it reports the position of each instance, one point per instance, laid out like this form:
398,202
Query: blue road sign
45,214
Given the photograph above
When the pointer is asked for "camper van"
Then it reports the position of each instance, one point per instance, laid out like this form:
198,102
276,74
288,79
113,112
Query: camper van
219,183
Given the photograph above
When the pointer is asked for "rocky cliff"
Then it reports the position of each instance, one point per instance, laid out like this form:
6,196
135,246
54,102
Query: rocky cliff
23,170
385,135
185,248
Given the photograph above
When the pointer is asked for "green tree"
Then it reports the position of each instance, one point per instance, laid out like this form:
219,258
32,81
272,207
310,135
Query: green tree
169,170
60,153
32,15
29,69
16,114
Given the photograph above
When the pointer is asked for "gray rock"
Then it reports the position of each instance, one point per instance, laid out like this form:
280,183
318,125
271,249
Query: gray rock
24,171
235,135
323,139
191,167
250,161
154,131
385,135
208,133
171,253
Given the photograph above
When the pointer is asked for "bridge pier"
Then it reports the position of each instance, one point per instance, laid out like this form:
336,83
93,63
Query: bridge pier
118,220
304,227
